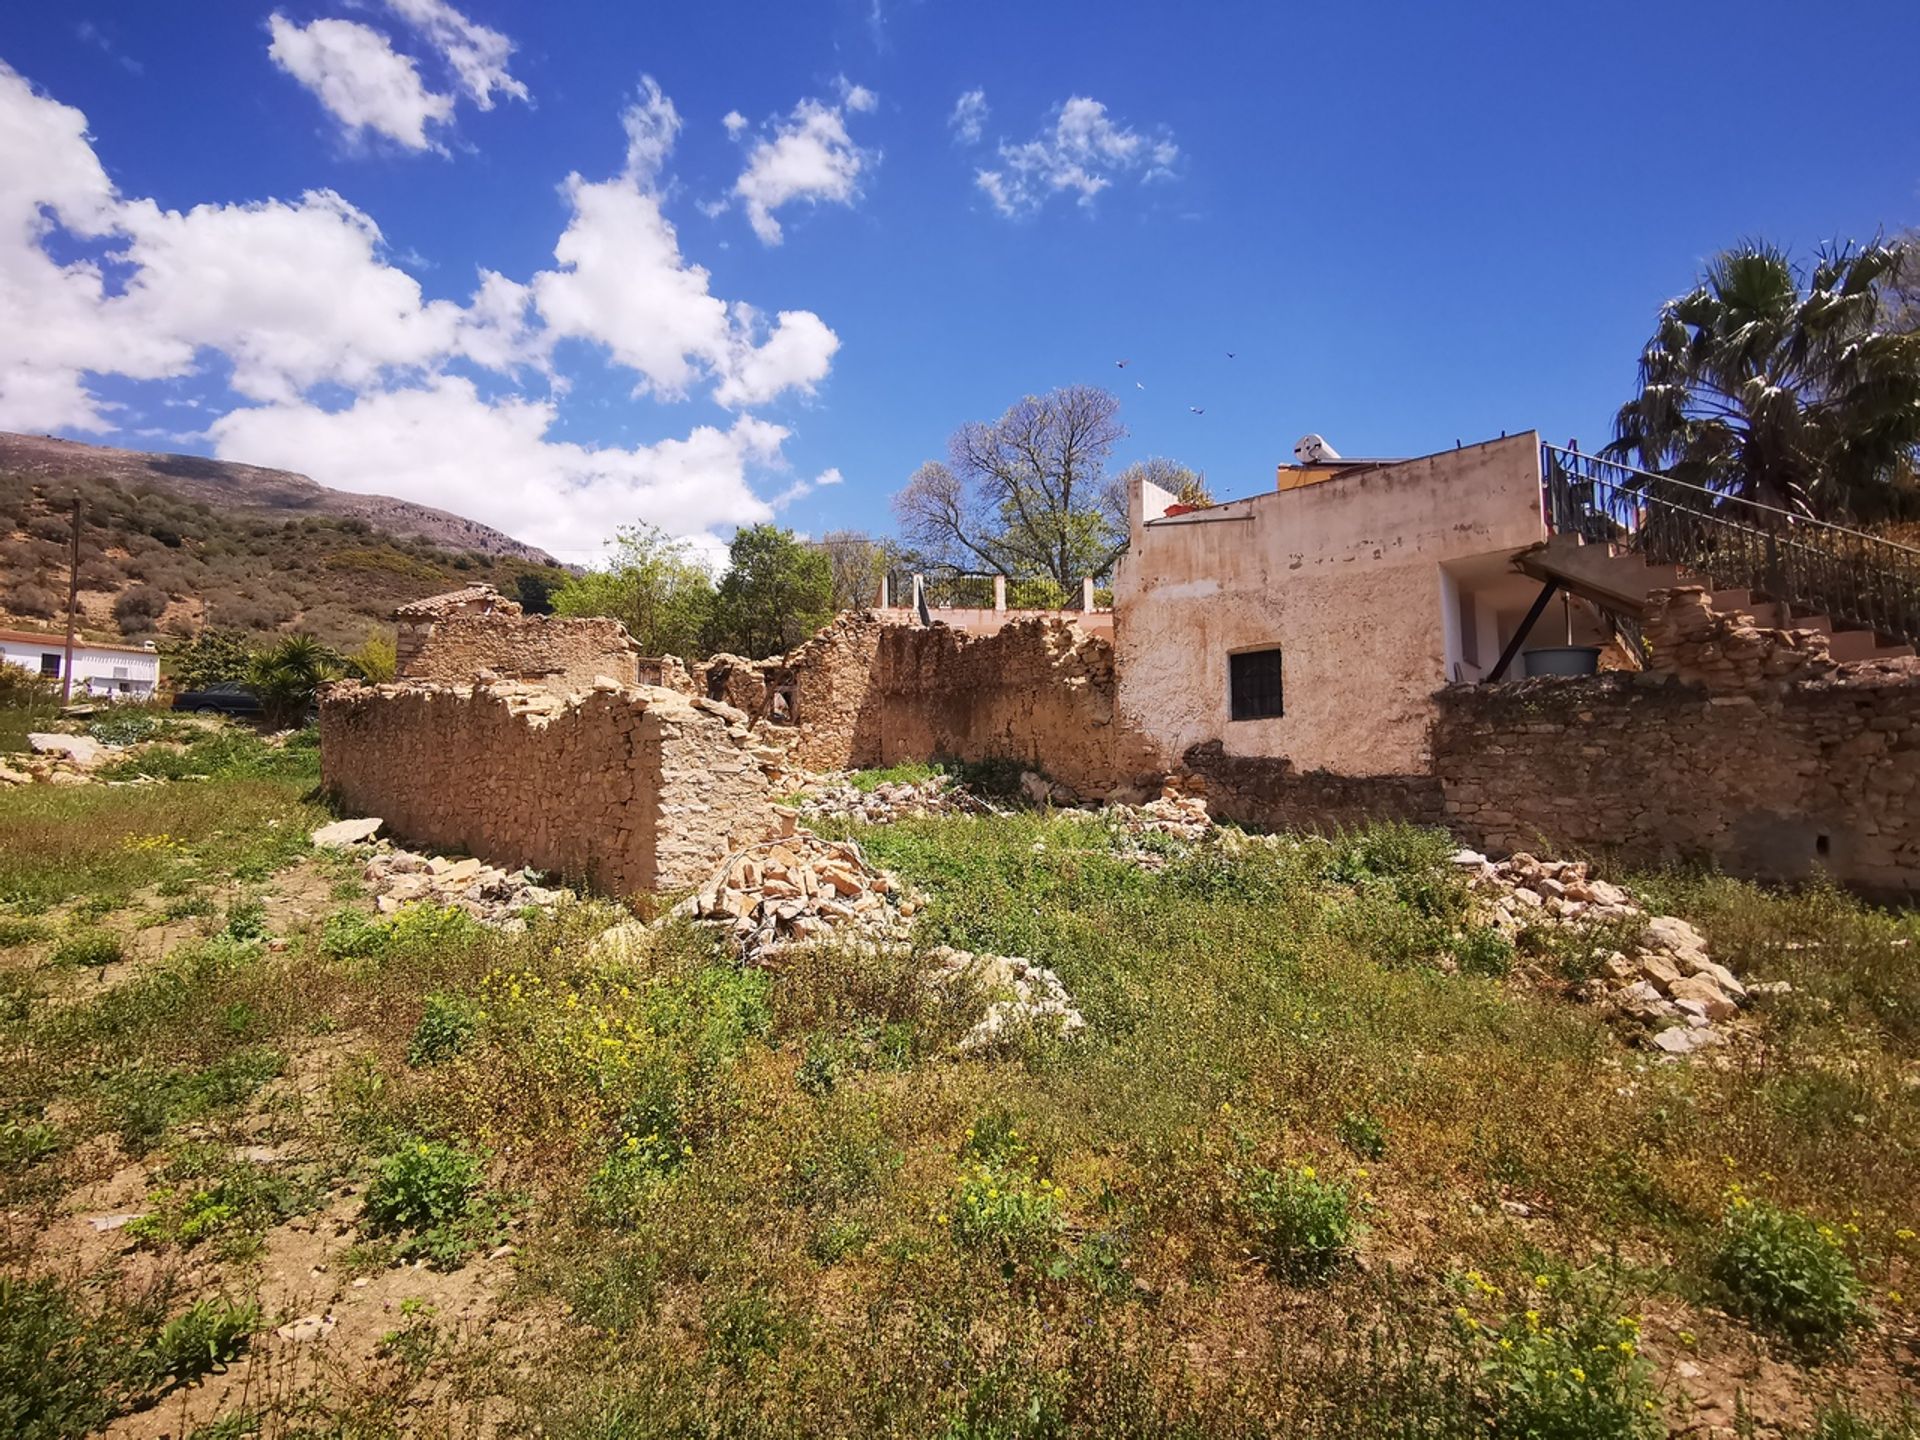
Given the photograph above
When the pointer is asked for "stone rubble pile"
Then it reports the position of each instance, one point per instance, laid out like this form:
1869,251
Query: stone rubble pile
491,895
884,804
797,888
1663,980
1023,996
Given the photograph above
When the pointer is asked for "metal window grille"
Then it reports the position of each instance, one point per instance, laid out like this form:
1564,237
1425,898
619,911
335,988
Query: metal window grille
1253,683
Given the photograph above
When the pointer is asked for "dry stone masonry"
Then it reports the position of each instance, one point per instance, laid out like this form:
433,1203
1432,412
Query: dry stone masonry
1739,745
628,787
561,654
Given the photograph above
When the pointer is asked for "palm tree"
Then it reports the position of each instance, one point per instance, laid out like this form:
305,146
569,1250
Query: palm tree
1796,389
286,677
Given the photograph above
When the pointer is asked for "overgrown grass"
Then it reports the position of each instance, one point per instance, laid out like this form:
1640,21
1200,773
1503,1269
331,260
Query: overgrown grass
1243,1202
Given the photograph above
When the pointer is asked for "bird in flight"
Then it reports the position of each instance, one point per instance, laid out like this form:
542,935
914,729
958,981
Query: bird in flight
1138,386
1196,409
1121,364
1229,354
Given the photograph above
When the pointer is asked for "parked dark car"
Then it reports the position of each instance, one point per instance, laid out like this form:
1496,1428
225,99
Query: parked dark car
227,697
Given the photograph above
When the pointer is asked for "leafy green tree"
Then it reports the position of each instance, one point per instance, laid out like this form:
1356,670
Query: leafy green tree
376,661
1187,486
654,584
286,678
534,589
777,591
209,658
1027,494
1788,385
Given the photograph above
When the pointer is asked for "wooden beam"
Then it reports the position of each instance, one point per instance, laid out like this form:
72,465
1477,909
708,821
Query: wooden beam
1526,629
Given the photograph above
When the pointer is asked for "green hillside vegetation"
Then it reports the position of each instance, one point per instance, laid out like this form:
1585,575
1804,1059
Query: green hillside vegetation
155,566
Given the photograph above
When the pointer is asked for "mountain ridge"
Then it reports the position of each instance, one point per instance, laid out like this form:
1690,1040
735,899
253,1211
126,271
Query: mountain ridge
253,492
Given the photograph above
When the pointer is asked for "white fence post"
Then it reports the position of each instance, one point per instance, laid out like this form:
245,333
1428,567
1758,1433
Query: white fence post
1086,594
999,594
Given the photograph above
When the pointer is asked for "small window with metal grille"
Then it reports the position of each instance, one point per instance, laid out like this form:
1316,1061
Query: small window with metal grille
1253,685
50,666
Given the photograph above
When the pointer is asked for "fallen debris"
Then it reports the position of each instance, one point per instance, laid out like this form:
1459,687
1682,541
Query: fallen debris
1025,996
82,750
830,799
343,833
1661,980
797,888
491,895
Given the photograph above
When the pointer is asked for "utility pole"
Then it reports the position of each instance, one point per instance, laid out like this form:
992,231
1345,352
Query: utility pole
73,604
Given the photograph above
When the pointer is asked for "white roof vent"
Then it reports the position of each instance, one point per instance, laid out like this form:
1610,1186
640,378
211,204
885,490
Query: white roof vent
1313,449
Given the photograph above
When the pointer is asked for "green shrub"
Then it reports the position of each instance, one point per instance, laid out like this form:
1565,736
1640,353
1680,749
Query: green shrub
1362,1132
1565,1369
54,1371
123,725
89,949
1303,1225
15,930
1483,952
203,1339
422,1185
1788,1272
1841,1421
26,1142
1001,1203
247,920
446,1024
428,1195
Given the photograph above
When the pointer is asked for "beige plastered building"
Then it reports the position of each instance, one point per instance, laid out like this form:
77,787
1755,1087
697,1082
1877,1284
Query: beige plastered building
1315,622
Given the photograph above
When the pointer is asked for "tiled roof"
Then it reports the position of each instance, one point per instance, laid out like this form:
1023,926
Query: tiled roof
439,604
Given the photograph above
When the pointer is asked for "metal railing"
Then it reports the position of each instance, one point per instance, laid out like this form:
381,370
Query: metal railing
1809,566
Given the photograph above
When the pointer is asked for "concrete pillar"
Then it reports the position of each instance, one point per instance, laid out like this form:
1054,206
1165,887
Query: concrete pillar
919,586
1086,594
999,593
886,591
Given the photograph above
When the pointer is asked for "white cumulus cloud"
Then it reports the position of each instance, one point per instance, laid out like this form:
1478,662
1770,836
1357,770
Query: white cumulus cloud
360,78
969,117
477,55
342,363
444,444
1081,155
807,156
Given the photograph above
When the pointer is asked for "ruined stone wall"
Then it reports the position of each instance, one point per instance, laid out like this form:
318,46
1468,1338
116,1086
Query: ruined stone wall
836,702
1040,692
1741,746
633,788
1268,792
561,653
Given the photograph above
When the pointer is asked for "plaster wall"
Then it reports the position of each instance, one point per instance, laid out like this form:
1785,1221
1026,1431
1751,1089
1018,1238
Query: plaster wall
1342,576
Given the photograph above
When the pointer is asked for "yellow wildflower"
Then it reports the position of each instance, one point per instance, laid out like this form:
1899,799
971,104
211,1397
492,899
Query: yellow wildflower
1579,1375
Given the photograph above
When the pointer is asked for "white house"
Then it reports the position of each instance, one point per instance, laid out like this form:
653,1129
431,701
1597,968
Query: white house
111,671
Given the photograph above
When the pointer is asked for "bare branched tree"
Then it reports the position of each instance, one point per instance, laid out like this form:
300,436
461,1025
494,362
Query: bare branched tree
1187,485
859,561
1027,494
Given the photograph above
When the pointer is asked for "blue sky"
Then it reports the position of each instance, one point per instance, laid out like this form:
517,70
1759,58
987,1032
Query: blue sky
567,265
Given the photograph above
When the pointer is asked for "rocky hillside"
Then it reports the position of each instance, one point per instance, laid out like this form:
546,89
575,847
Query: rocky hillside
172,543
249,492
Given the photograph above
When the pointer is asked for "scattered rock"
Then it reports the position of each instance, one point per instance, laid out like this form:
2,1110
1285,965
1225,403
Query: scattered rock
306,1329
1023,996
895,800
343,833
800,888
82,750
104,1223
491,895
1665,984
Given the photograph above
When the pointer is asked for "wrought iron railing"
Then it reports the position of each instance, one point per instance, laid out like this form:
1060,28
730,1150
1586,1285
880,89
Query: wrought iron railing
1737,544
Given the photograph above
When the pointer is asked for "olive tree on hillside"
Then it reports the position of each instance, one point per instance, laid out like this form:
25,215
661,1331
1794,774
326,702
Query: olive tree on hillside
653,584
1027,494
777,591
1795,386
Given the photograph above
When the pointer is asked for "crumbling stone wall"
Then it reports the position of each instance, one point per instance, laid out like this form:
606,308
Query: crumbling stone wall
1037,691
1740,745
632,788
560,653
836,703
1267,791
